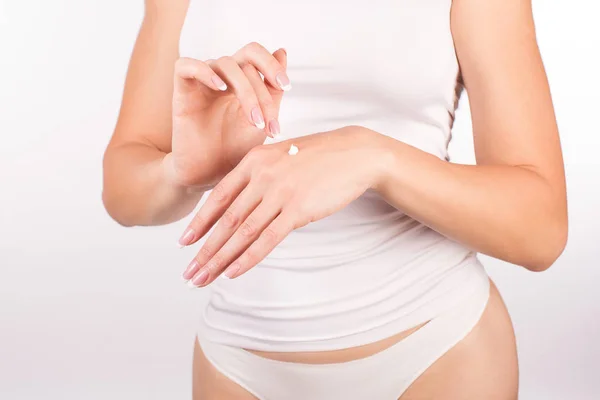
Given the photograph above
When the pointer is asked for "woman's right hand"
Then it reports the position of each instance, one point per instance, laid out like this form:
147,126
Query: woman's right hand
221,109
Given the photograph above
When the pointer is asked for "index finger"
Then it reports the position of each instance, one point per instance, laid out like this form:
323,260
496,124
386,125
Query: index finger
215,206
272,69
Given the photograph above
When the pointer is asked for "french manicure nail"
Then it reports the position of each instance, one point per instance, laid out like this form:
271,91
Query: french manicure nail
200,278
283,81
257,118
186,238
219,83
190,270
232,271
274,128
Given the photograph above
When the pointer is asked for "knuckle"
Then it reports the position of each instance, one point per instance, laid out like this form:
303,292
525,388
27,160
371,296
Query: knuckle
303,214
198,220
185,65
251,256
248,228
182,62
270,237
219,193
249,69
225,60
268,104
300,207
230,219
256,153
179,65
215,264
205,253
303,220
284,191
263,175
254,47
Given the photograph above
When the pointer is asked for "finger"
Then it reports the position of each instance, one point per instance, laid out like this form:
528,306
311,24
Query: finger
243,237
269,108
269,238
233,217
276,94
281,56
271,68
232,73
188,71
219,199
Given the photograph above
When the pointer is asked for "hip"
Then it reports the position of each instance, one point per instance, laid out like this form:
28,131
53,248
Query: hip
425,360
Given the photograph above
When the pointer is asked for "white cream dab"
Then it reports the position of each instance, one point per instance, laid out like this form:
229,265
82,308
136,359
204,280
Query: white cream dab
293,150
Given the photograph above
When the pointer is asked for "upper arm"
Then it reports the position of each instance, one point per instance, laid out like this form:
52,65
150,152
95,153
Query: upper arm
145,115
511,107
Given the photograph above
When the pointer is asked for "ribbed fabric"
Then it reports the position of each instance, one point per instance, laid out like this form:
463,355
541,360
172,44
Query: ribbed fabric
368,271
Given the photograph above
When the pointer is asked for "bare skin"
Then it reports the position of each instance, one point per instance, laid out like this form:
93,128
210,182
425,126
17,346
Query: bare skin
511,205
481,366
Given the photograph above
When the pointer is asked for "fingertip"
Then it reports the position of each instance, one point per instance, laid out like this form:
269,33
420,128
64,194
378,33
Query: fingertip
219,83
283,81
281,51
269,140
274,128
191,285
187,238
257,118
281,56
233,271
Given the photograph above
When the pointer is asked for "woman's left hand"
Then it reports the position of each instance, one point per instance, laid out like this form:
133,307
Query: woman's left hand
271,192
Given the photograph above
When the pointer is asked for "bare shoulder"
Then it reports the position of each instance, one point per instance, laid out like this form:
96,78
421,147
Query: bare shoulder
481,366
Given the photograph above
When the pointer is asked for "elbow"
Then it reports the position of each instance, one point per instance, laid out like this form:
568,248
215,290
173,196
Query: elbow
548,248
112,197
112,209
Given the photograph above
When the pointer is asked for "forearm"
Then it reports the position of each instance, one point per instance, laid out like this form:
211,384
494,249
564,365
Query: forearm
508,212
139,190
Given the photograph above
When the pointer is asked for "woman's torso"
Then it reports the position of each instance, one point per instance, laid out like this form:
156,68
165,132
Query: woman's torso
368,271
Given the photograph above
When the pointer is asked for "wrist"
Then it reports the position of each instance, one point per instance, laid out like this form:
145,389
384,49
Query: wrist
173,179
378,155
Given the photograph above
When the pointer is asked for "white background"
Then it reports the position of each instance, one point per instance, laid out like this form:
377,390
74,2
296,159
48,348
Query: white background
90,310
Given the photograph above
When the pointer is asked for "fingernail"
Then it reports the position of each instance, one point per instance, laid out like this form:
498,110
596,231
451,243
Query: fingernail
219,83
200,278
283,81
257,118
186,238
274,128
232,271
191,285
190,270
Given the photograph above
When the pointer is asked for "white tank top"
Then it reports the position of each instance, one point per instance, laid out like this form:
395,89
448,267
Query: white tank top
368,271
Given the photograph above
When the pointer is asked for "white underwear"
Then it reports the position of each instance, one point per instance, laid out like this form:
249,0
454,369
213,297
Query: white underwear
383,376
